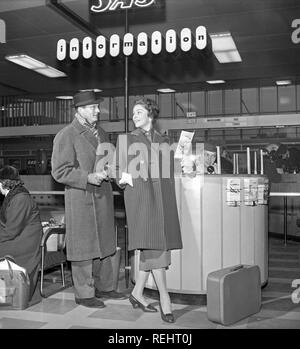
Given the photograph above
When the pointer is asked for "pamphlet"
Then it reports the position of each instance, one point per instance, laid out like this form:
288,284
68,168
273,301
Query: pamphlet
250,191
233,192
184,144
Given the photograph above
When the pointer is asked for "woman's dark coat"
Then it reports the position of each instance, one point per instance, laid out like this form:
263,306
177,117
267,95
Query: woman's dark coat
20,229
89,209
151,209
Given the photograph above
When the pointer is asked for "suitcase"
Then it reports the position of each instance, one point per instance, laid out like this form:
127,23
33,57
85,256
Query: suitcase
233,293
14,285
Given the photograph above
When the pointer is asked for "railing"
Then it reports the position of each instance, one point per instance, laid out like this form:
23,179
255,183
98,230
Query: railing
39,110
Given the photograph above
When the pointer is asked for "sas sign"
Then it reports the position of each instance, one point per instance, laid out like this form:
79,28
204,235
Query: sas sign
112,5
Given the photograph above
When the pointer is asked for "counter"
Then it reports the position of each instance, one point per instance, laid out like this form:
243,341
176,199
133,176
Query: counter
214,234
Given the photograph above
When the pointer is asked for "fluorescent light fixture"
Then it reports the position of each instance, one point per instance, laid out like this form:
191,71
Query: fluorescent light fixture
165,90
224,48
92,89
50,72
26,61
25,100
64,97
215,82
35,65
283,82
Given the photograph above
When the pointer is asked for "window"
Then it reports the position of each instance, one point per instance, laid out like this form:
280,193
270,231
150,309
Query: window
165,105
249,100
198,103
232,101
181,104
215,102
286,98
268,99
104,109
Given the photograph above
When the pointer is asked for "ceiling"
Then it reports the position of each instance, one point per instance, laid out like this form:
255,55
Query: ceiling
261,29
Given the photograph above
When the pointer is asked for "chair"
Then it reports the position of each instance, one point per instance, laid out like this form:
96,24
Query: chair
53,258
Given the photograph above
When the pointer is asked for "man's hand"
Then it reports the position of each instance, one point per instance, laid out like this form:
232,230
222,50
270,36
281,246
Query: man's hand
96,178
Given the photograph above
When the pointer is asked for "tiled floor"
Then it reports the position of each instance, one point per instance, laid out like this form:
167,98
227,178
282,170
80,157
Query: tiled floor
59,311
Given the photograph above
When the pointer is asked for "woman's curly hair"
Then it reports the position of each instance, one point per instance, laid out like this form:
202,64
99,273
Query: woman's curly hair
150,105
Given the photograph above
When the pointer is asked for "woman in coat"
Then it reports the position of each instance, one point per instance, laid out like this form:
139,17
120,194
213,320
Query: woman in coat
150,202
20,225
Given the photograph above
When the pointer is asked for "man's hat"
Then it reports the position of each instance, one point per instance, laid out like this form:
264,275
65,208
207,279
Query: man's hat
86,98
9,172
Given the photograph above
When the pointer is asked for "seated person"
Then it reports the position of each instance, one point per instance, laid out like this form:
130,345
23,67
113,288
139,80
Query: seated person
288,158
210,160
269,162
20,226
226,162
210,157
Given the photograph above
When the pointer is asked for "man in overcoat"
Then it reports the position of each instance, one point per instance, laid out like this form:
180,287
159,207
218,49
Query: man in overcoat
90,233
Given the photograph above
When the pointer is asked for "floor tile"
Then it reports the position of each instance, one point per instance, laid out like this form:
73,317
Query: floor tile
118,312
11,323
54,306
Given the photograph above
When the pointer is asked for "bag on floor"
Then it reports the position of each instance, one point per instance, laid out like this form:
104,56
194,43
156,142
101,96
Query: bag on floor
233,293
14,285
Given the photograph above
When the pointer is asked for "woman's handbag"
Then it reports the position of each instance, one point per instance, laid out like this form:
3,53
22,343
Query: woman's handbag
14,285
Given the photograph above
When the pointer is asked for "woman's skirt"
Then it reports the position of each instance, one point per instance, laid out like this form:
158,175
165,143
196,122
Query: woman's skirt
154,259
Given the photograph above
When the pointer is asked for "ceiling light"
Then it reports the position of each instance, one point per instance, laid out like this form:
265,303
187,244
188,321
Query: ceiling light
26,61
228,56
50,72
24,100
224,48
283,82
64,97
92,89
35,65
215,81
165,90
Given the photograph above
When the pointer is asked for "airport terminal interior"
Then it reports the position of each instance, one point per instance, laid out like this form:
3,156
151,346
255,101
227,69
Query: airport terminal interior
227,73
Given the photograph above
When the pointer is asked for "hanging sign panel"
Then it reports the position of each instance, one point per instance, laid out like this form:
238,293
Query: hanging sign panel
111,13
101,6
143,44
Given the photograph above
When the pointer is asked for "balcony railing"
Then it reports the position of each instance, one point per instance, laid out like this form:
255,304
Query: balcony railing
33,110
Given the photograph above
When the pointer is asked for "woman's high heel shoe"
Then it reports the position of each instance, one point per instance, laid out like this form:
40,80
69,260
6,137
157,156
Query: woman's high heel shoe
166,317
136,304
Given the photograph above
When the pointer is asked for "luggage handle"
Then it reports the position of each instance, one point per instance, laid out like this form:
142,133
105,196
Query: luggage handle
238,267
9,259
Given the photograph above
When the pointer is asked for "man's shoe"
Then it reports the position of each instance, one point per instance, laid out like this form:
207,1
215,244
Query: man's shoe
110,294
90,302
